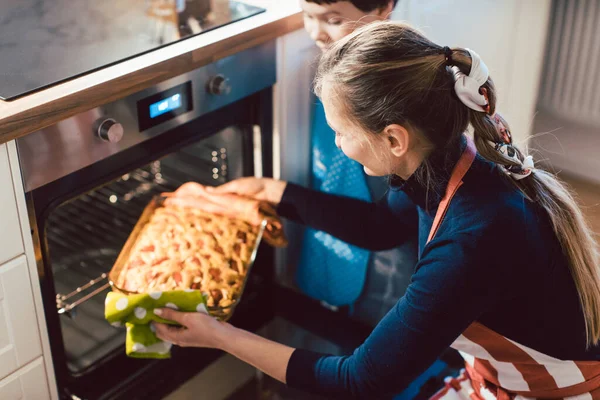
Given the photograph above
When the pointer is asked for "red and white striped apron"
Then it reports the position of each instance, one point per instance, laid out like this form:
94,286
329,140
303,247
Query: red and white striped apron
499,368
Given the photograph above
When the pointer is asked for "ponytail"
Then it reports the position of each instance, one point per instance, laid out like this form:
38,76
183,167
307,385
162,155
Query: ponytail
573,232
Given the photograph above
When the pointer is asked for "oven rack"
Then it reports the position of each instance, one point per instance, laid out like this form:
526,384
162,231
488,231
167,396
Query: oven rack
85,235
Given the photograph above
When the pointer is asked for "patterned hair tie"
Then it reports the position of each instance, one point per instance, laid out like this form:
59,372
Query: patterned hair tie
506,148
502,128
468,88
517,172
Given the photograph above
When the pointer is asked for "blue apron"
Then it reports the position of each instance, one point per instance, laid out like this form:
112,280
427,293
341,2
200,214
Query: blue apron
331,270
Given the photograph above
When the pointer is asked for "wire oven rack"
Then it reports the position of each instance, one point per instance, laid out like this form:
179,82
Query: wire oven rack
85,235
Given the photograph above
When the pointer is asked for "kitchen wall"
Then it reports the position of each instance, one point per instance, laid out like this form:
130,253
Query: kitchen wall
567,124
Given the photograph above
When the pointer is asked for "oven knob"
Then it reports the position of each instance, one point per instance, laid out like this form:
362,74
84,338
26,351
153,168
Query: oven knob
218,85
109,130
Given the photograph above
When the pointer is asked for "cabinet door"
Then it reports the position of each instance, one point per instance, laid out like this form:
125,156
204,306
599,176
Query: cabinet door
19,333
28,383
11,244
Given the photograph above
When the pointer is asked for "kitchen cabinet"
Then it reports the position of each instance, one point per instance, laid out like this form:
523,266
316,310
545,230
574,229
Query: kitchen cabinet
510,37
28,383
19,332
22,341
11,244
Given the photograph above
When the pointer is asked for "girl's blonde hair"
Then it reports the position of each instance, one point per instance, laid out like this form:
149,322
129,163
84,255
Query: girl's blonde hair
388,73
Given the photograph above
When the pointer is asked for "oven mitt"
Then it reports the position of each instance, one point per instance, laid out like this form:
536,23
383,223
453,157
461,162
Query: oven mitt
136,311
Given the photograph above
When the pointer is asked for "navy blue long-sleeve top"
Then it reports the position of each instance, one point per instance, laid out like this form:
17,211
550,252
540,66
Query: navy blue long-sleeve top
495,259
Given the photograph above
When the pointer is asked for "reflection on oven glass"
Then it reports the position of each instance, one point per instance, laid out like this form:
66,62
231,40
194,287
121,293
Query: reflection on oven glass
85,235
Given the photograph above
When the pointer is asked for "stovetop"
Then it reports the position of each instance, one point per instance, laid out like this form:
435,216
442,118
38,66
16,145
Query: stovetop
44,42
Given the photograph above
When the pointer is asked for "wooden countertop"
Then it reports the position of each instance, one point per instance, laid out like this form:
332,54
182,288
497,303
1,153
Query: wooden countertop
47,107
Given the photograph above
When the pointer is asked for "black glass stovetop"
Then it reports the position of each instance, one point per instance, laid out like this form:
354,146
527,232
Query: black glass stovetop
43,42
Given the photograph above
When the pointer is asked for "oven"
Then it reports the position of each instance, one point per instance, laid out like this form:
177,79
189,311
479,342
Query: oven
87,180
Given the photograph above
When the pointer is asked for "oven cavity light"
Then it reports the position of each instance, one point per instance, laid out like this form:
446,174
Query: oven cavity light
112,198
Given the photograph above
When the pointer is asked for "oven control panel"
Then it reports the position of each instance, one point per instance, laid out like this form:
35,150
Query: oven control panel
79,141
164,106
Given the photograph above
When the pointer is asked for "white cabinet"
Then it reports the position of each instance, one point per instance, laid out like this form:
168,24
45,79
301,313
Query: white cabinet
21,340
11,243
29,383
19,333
509,35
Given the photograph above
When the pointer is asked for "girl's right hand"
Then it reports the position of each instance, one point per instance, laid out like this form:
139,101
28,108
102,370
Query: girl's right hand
263,189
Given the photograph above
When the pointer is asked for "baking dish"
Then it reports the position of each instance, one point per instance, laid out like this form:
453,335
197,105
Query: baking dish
221,312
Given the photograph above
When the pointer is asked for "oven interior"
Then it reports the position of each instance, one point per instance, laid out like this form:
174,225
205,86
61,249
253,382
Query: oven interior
85,234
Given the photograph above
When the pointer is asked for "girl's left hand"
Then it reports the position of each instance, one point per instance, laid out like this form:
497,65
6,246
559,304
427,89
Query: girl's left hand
196,330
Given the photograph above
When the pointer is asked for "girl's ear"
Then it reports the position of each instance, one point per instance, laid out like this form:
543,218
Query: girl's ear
397,139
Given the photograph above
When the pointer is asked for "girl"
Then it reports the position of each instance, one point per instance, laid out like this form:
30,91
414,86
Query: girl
508,270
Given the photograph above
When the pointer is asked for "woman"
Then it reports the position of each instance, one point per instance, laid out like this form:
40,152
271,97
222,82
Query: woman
508,270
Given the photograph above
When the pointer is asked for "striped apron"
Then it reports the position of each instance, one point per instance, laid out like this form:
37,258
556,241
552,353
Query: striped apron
499,368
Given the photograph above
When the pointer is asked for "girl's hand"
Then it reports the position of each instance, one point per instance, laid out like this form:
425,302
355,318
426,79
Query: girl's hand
201,330
196,330
263,189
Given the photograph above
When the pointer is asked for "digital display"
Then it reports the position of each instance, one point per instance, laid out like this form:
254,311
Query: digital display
166,105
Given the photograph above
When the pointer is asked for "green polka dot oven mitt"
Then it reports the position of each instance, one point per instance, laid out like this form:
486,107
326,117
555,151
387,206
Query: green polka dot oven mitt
136,311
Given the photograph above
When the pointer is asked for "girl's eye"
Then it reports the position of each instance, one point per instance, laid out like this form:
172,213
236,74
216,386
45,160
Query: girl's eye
335,21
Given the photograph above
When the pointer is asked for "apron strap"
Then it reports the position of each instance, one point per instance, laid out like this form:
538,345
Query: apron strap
458,173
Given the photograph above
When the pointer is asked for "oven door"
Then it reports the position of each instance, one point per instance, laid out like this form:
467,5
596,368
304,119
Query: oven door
83,219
